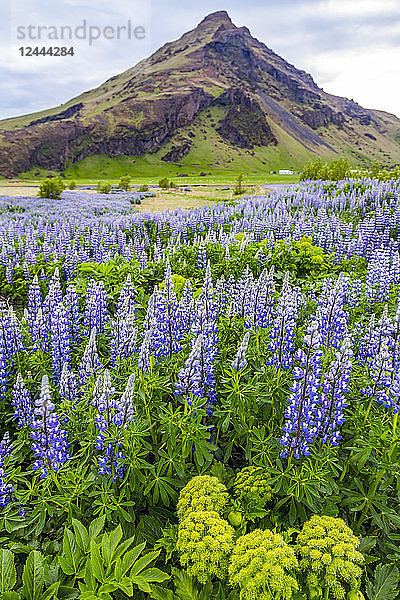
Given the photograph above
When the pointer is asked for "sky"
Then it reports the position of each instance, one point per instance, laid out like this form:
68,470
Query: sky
350,47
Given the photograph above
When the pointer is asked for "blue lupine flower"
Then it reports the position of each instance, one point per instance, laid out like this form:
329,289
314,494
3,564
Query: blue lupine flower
90,363
240,360
335,385
22,403
50,441
60,340
283,328
96,312
301,428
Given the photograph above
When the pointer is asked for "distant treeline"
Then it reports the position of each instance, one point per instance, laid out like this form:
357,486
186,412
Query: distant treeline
340,169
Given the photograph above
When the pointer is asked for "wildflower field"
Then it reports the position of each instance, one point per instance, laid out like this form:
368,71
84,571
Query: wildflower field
201,403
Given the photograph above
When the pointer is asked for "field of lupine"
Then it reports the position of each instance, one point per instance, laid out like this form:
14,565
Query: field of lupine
204,403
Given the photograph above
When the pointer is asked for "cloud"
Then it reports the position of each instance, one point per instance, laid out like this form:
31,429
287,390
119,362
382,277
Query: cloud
351,47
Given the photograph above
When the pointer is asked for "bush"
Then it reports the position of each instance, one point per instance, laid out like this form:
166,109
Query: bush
125,183
144,188
72,184
51,188
239,189
103,188
166,184
338,169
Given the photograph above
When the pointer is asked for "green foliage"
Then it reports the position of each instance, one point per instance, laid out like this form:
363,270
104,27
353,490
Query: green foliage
252,489
103,188
335,171
239,189
328,556
36,581
205,542
125,182
72,184
104,563
144,188
165,183
301,258
51,188
386,583
202,493
263,566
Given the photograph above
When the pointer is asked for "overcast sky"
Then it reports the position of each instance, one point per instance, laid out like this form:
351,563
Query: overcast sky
351,47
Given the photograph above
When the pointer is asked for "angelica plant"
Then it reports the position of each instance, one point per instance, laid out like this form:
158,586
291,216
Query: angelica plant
263,566
202,493
328,557
205,542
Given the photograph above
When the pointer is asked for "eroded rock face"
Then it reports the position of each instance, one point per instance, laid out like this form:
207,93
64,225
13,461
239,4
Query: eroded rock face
244,125
215,65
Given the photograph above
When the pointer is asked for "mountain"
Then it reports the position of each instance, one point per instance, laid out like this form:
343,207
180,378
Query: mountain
216,96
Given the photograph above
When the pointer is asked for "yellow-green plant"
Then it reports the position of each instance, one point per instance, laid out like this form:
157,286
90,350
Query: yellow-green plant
328,557
205,543
251,487
202,493
263,566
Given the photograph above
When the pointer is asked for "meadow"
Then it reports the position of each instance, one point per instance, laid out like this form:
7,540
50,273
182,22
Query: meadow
201,403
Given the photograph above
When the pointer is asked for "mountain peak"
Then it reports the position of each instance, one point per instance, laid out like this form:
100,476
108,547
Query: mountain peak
218,18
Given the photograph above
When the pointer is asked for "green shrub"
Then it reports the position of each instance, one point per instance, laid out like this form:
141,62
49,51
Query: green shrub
144,188
338,169
166,184
51,188
72,184
124,183
103,188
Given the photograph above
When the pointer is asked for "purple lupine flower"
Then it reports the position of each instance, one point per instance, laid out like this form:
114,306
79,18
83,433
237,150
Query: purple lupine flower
40,331
68,388
381,373
335,385
3,372
283,328
167,333
202,257
90,363
300,426
111,460
126,301
189,382
240,360
34,300
6,489
71,303
60,340
124,336
50,444
331,315
125,409
96,311
144,352
10,333
22,403
260,301
54,295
